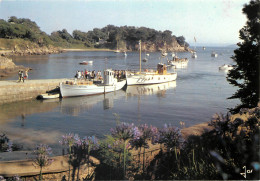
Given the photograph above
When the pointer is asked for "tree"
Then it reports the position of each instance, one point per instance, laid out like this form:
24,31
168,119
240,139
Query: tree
245,75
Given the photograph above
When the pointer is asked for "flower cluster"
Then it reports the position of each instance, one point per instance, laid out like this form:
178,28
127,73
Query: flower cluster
123,131
170,136
42,153
69,139
142,134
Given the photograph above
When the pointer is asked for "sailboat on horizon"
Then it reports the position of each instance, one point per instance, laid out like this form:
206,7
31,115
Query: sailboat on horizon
193,53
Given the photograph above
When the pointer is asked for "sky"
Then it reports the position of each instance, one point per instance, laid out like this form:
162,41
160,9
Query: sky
211,22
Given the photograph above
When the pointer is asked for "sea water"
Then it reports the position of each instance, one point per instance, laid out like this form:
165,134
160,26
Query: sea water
200,91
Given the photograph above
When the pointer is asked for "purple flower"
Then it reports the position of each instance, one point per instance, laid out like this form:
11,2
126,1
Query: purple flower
123,131
70,139
142,134
42,153
170,136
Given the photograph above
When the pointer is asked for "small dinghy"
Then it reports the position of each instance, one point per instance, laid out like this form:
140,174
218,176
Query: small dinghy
226,67
49,96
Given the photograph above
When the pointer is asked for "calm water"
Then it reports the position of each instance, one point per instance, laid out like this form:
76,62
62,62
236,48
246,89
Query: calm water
199,91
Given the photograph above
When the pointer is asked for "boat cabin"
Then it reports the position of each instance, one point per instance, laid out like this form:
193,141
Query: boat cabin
161,68
109,77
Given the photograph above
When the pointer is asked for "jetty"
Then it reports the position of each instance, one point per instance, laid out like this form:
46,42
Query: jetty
12,90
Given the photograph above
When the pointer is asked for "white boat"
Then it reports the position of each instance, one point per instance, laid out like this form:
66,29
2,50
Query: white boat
90,62
49,96
164,54
226,67
204,48
178,62
194,54
214,54
150,76
83,63
85,88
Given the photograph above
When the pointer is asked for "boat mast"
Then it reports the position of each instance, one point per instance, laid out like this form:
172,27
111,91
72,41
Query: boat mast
140,47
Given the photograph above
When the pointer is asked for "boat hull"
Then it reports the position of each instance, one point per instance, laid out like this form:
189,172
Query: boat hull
178,64
145,79
68,90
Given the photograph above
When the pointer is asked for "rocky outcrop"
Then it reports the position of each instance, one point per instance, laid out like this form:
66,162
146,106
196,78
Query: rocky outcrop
35,51
7,67
149,46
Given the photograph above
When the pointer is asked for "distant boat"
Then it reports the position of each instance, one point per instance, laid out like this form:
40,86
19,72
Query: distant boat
178,62
83,63
86,62
214,54
86,88
173,54
125,54
194,54
204,48
226,67
164,54
145,58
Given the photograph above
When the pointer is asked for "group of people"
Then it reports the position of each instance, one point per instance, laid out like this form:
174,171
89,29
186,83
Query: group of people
120,74
22,75
88,75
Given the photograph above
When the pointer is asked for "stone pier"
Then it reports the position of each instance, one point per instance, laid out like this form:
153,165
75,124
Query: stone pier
11,91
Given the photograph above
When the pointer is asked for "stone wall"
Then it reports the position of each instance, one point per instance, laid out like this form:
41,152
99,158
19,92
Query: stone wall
11,91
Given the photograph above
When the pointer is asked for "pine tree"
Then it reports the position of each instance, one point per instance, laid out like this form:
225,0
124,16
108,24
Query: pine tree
245,75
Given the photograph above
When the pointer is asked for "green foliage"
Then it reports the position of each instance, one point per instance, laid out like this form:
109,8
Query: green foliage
245,75
217,154
107,37
111,157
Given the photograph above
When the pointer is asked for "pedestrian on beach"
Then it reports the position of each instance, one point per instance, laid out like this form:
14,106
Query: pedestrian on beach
19,76
26,74
22,76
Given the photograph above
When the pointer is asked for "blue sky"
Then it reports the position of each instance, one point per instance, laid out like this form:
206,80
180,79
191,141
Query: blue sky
212,22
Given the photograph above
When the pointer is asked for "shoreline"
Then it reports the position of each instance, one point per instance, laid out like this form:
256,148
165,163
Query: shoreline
86,50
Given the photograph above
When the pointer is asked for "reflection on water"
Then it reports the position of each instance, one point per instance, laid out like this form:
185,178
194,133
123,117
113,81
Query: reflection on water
75,105
158,89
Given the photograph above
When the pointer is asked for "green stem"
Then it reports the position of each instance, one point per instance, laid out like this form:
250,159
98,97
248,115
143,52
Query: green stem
124,156
40,173
69,162
144,160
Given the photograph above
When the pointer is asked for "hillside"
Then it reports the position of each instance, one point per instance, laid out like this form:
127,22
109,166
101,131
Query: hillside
24,37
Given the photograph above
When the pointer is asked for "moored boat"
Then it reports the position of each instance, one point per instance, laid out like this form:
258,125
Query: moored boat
214,54
226,67
178,62
85,88
83,63
194,54
49,96
150,76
